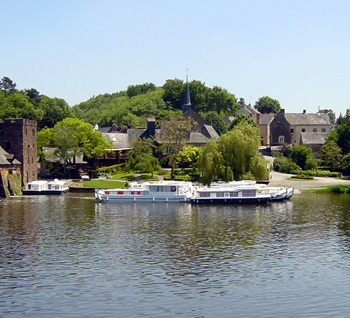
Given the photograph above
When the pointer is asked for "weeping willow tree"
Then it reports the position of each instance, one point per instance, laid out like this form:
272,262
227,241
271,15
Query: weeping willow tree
211,162
234,155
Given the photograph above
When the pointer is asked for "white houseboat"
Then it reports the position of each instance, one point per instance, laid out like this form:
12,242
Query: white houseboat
35,187
230,194
56,187
276,193
45,187
162,191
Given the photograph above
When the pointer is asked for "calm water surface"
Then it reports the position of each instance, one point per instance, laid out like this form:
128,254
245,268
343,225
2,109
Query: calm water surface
70,256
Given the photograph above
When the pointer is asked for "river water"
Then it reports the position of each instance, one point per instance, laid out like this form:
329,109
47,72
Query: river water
69,256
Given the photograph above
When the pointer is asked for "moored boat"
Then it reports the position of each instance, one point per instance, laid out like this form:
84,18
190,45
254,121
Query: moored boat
229,194
56,187
162,191
276,193
35,187
43,187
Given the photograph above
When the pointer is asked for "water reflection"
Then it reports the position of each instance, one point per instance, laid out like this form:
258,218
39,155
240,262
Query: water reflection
71,256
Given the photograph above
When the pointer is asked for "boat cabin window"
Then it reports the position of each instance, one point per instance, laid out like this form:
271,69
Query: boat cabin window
163,188
248,193
220,194
233,194
204,194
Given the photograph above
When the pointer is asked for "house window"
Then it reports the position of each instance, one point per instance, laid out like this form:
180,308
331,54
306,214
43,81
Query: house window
323,129
291,130
281,139
303,130
314,130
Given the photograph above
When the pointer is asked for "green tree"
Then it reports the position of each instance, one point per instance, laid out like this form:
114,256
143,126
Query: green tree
72,137
54,111
199,95
189,157
341,135
221,101
17,105
134,90
300,154
233,155
211,162
346,163
44,139
174,92
267,105
7,85
174,135
33,95
331,155
242,118
141,158
216,121
238,147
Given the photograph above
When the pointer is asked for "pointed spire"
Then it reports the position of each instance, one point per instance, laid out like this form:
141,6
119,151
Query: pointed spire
187,99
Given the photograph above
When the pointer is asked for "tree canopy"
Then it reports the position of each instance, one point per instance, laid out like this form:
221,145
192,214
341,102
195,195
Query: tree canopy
73,137
242,118
267,105
233,155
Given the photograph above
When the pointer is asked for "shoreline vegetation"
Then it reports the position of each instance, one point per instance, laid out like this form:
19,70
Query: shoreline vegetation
339,188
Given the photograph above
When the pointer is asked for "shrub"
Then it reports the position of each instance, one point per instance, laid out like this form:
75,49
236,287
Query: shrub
286,165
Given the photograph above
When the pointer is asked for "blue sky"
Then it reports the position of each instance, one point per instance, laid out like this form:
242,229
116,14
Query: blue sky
294,51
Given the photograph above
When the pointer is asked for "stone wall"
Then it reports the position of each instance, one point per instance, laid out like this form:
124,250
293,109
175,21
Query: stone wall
10,183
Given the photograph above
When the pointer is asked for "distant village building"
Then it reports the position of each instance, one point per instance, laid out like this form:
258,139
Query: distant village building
19,147
289,127
264,121
199,135
313,140
249,111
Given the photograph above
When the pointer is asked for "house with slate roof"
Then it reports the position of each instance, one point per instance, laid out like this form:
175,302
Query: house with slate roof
122,141
313,140
249,111
264,121
289,128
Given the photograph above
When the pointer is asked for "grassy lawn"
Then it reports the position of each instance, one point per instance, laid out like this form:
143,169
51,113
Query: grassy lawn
127,176
104,184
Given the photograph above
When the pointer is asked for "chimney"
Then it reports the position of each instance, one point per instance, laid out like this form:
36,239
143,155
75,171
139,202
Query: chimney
258,118
151,126
282,110
304,111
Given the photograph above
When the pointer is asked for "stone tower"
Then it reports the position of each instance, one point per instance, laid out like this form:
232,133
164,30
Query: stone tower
18,137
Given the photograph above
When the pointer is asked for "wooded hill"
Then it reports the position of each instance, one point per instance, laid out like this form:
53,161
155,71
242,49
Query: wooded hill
129,108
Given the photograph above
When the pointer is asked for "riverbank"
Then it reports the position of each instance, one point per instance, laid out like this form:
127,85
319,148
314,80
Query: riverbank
283,180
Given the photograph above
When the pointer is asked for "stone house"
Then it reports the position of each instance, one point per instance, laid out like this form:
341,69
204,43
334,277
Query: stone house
249,111
313,140
286,128
264,122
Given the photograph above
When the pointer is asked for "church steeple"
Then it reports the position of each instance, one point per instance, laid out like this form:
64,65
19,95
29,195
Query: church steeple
187,99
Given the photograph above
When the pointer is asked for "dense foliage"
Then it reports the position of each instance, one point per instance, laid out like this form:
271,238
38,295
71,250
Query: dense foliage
73,137
267,105
294,159
30,104
234,155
